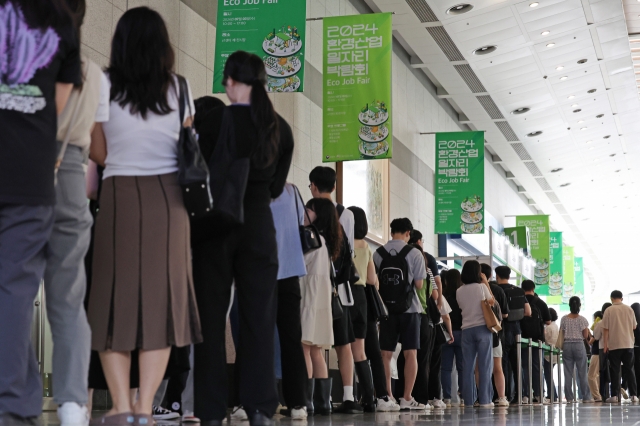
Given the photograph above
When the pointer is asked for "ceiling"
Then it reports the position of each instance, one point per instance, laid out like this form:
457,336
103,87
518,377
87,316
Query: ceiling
570,63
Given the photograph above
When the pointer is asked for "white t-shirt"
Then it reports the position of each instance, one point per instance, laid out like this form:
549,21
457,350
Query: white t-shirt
102,113
445,309
469,297
348,222
143,147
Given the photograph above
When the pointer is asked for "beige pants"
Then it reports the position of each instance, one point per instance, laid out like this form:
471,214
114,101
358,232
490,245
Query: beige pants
594,377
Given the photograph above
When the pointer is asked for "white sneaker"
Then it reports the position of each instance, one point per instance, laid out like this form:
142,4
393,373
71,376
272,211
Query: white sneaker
73,414
624,393
525,400
489,405
612,400
502,402
438,404
386,405
239,414
160,413
547,401
411,405
447,402
635,399
299,413
189,417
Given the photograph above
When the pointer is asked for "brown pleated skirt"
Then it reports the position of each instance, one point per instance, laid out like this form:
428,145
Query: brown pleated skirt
142,293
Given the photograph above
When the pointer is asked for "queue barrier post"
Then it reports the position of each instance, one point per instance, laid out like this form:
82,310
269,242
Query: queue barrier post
530,371
518,372
540,361
552,391
560,390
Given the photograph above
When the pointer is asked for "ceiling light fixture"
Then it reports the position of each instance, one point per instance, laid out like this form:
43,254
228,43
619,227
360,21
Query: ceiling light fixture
608,136
484,50
522,110
582,61
559,169
577,110
551,44
612,155
592,91
559,67
544,33
534,134
534,4
565,184
564,77
570,97
599,115
574,105
459,9
584,128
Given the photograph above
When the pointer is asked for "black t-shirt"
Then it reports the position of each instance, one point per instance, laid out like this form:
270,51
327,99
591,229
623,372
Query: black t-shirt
432,264
37,59
456,313
544,309
499,295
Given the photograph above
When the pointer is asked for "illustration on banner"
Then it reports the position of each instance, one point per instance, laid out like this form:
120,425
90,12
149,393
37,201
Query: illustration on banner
283,60
374,132
471,217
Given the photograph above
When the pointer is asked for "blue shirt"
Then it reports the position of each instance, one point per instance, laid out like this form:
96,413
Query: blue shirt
287,220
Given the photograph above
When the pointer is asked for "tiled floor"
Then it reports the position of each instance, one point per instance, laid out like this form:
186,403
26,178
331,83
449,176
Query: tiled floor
565,415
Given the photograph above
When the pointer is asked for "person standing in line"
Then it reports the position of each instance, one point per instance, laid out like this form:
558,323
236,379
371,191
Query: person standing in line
575,328
498,373
477,339
533,328
636,345
403,327
603,358
374,367
322,185
594,362
246,254
41,41
142,251
518,308
453,283
618,325
288,214
551,332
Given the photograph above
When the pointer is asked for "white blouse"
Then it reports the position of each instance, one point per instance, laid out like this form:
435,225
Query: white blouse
143,147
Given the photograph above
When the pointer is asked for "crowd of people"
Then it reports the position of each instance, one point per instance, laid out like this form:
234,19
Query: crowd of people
139,302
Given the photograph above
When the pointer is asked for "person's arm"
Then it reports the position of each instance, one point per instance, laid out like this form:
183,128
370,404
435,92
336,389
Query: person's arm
447,322
98,149
372,278
418,283
585,333
605,333
284,162
63,91
527,310
491,300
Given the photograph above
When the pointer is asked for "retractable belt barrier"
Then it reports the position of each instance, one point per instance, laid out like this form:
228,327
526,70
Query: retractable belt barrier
543,348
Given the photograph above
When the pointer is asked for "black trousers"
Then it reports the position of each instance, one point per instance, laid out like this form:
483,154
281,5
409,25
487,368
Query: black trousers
421,388
248,255
510,364
636,363
626,356
294,367
535,371
372,350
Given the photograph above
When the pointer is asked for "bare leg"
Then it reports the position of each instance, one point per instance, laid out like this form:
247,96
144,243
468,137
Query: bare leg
90,400
319,364
345,364
116,366
306,349
153,364
387,356
357,349
498,376
410,372
133,395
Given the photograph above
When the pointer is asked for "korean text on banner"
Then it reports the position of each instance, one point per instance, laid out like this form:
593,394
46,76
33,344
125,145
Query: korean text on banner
272,29
556,269
459,183
356,87
539,240
579,271
569,279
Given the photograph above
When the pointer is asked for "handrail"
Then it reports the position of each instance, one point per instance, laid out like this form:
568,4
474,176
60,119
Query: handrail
544,349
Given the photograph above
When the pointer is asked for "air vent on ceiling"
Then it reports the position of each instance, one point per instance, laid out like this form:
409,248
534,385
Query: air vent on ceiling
447,45
522,152
533,168
490,106
422,10
543,184
553,198
470,77
507,131
560,208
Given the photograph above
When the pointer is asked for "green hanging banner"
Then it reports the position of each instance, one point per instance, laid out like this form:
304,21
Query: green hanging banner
519,236
579,271
556,269
273,30
569,279
459,207
356,87
539,239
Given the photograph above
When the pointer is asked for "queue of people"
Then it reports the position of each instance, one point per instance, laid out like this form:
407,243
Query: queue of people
153,302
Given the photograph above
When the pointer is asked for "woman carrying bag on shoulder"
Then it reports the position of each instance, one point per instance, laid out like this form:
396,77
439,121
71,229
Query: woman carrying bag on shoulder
242,248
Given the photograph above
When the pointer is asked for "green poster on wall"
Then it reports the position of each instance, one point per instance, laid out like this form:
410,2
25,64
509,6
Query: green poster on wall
556,266
569,279
273,30
579,271
459,183
356,87
519,236
539,240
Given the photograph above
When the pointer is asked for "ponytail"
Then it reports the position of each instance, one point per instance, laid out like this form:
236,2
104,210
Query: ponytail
574,305
249,69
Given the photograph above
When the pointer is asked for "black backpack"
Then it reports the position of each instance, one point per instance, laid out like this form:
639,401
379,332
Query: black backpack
532,327
395,289
516,301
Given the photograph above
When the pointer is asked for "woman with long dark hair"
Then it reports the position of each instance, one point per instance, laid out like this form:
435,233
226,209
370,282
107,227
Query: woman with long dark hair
453,283
142,291
246,253
575,328
40,64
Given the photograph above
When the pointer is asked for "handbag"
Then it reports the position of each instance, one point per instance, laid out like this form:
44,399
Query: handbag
489,317
336,305
560,341
376,310
229,176
193,173
309,235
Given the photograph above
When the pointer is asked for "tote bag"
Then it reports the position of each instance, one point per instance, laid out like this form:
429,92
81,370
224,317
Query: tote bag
490,318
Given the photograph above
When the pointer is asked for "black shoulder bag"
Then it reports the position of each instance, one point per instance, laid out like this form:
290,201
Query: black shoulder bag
309,235
193,173
336,305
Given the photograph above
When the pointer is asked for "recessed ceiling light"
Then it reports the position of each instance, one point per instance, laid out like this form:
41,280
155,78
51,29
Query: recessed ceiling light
564,77
577,110
582,61
584,128
484,50
612,155
618,171
591,149
459,9
570,97
559,169
592,91
534,4
559,67
522,110
544,33
534,134
599,115
551,44
565,184
574,105
581,121
608,136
